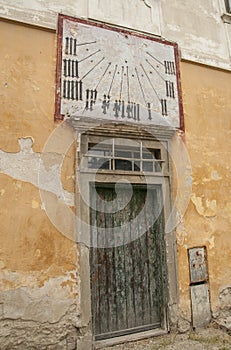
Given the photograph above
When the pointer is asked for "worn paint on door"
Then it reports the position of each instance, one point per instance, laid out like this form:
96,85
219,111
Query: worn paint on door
126,280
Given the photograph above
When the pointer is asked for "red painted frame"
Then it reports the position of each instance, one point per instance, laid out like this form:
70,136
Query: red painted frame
61,18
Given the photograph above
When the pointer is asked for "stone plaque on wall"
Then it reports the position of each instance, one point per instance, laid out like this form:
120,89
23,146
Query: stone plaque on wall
197,265
200,301
108,73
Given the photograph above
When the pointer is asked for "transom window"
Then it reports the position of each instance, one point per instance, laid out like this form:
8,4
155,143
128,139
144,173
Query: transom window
110,155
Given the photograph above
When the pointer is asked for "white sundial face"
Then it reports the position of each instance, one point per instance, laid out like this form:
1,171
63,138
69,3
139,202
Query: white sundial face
113,75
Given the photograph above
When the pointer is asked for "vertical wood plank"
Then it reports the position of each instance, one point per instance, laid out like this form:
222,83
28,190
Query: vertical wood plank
112,312
103,312
119,218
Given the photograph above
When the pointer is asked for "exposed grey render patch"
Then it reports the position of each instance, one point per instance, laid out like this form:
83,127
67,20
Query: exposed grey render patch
28,335
26,165
223,316
41,317
47,303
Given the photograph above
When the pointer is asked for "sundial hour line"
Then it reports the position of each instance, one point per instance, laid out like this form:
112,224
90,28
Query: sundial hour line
150,82
128,86
92,54
141,87
147,104
88,43
121,83
168,65
155,59
92,68
103,75
116,66
155,70
71,45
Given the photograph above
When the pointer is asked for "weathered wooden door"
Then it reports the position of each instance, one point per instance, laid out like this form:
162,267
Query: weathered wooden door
126,280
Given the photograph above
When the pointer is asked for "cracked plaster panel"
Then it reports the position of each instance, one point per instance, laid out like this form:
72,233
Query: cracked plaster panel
42,12
46,171
39,267
29,241
17,334
140,15
198,29
207,221
47,303
32,319
27,75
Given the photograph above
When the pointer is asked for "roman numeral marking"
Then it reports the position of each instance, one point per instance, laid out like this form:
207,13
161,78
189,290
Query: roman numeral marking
169,68
164,107
91,96
71,45
131,109
73,90
105,103
170,89
71,68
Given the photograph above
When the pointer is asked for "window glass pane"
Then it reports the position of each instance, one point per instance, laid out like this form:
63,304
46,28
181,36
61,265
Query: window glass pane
137,155
123,154
157,153
106,165
158,166
121,164
147,155
147,166
98,163
137,166
99,153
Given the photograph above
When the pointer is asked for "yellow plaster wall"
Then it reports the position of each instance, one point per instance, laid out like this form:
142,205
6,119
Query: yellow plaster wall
27,69
30,244
207,222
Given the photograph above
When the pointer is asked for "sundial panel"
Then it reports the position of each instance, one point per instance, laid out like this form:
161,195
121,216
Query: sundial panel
111,74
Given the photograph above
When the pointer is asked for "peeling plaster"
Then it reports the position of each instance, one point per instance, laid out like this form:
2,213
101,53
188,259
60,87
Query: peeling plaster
207,209
34,204
26,165
41,304
211,242
214,176
181,235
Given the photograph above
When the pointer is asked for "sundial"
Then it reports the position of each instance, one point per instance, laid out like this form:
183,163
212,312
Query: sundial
109,73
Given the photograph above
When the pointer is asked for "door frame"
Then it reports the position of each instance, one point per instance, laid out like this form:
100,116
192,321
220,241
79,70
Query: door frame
84,178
